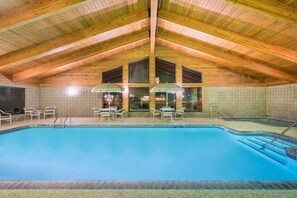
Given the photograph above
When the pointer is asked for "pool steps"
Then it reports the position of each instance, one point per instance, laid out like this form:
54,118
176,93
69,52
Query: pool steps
275,151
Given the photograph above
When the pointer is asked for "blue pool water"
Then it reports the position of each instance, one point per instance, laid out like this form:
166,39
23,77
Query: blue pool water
133,154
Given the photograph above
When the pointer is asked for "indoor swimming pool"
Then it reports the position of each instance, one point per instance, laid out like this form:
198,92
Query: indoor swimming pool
147,153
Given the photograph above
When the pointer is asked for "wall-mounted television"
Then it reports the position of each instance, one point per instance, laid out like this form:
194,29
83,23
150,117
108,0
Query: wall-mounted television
12,99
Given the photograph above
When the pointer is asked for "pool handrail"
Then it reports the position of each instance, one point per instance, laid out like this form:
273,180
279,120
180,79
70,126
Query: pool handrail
282,133
220,110
64,123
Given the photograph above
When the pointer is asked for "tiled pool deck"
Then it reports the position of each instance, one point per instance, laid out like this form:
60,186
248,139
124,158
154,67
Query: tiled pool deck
103,184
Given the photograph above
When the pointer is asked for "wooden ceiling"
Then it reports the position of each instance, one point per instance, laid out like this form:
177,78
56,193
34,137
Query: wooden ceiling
42,38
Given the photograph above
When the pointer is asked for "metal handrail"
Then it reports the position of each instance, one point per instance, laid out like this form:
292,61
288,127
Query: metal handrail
221,110
282,133
64,123
54,124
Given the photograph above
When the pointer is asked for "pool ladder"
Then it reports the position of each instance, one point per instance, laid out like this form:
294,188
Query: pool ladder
61,123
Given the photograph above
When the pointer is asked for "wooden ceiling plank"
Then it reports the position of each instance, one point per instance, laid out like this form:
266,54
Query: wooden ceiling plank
202,47
264,47
219,63
66,41
154,10
78,58
269,8
34,11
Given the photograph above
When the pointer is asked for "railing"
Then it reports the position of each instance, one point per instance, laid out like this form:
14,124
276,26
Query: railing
61,123
282,133
67,117
55,122
219,109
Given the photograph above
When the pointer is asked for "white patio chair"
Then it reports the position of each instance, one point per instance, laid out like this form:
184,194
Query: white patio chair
35,113
105,114
167,114
156,113
51,111
179,114
120,112
28,111
5,116
96,111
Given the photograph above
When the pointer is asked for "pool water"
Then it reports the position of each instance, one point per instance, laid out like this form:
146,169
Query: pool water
134,154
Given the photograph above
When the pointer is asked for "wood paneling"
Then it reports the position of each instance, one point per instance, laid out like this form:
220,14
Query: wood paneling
87,55
99,32
34,11
209,49
90,75
270,8
252,43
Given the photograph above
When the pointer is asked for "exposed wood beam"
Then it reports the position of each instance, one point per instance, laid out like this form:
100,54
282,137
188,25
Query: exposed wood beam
270,8
264,47
91,54
154,10
207,60
241,62
34,11
120,26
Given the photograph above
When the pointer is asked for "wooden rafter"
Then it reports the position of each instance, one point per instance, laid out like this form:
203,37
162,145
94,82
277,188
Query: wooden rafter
206,59
268,48
154,10
270,8
121,26
34,11
241,62
90,54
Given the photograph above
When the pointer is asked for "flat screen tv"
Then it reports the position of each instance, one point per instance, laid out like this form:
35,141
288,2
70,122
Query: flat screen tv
12,99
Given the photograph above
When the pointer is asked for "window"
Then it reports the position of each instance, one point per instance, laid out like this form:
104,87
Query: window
191,76
113,76
165,71
12,99
139,71
161,100
139,99
115,99
192,99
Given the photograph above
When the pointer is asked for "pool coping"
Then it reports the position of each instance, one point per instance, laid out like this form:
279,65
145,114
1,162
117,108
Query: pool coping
148,184
156,184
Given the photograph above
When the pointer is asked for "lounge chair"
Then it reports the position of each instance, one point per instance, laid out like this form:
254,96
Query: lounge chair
96,111
5,116
49,111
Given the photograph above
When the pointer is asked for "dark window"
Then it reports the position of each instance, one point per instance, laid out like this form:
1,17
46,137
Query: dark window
139,99
12,99
139,71
113,76
165,71
191,76
192,99
115,99
161,100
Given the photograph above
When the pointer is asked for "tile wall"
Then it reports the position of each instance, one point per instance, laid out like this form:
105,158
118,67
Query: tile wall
75,101
239,102
277,102
281,102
